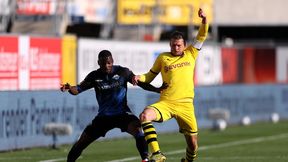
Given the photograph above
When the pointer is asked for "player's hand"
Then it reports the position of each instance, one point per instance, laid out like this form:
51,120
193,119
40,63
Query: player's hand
135,79
65,87
201,13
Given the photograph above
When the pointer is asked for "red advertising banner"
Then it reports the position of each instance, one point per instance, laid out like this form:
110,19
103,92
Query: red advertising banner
30,63
259,65
248,65
33,7
9,62
265,65
45,63
229,65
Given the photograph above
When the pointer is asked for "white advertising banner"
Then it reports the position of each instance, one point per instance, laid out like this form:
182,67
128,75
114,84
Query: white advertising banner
97,11
282,64
138,57
209,66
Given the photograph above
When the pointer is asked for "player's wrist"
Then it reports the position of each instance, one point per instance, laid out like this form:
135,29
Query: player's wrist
204,20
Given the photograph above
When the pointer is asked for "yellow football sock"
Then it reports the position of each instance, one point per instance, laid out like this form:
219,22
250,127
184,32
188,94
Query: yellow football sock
150,136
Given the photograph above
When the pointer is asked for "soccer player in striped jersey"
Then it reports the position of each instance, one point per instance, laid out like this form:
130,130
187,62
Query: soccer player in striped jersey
177,70
110,85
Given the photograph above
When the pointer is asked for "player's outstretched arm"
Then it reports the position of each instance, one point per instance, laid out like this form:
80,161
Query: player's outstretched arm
149,87
203,30
71,89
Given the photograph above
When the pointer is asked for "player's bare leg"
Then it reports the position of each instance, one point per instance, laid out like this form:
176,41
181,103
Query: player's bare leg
146,118
191,150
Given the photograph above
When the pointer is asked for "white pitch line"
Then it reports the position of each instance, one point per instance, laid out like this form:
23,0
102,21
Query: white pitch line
54,160
228,144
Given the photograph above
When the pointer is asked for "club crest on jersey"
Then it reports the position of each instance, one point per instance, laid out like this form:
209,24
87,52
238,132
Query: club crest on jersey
116,77
174,66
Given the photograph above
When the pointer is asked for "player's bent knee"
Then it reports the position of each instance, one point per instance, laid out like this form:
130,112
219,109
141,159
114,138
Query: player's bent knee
144,116
147,115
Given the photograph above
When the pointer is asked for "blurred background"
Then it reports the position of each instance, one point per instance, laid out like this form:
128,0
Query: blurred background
242,69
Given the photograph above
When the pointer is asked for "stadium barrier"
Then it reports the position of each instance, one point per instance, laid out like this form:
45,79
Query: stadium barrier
23,114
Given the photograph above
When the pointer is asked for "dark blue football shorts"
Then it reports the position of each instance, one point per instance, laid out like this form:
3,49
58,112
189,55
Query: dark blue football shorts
102,124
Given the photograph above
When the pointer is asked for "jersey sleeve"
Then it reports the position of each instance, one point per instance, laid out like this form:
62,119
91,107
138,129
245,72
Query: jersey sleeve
87,83
128,75
201,36
154,71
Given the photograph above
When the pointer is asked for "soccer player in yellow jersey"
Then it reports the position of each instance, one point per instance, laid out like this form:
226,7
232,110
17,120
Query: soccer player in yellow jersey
177,70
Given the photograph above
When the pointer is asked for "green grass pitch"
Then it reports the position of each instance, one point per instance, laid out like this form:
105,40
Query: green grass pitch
261,142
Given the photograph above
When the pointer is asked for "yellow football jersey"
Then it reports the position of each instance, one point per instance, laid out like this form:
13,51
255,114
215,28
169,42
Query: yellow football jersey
178,71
